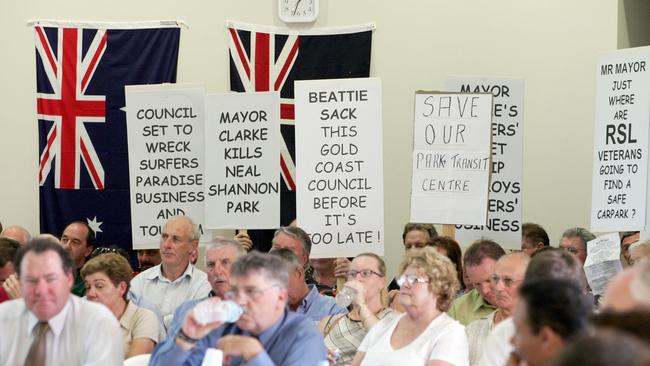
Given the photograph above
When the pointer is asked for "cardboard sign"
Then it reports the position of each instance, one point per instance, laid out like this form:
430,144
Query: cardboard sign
504,197
339,166
165,137
242,150
451,158
619,185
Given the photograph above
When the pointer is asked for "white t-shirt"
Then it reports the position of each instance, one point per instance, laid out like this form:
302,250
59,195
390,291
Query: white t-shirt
444,339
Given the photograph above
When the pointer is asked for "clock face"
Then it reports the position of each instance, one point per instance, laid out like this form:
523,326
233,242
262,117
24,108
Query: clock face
298,10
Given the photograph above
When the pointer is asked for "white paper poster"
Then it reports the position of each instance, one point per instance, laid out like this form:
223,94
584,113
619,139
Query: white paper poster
165,138
619,182
451,158
242,153
504,197
339,166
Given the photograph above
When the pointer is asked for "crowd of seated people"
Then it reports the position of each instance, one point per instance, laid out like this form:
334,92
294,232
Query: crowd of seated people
71,299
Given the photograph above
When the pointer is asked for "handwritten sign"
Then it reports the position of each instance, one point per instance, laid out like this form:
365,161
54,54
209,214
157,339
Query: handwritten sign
451,158
339,166
165,138
242,150
619,182
504,197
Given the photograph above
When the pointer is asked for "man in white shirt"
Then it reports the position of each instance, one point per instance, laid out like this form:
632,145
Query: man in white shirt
175,280
48,325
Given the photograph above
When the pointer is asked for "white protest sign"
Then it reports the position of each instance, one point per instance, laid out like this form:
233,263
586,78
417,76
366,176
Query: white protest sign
504,197
242,156
451,158
619,182
339,166
603,261
165,138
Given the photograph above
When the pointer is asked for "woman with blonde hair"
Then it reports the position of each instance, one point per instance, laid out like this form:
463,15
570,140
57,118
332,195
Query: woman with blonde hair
424,334
107,277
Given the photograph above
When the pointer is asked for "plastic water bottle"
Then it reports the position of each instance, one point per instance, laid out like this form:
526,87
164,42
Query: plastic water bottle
208,311
345,296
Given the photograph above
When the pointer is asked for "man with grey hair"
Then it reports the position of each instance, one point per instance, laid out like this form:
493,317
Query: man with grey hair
17,233
305,299
175,280
296,239
266,334
574,241
220,254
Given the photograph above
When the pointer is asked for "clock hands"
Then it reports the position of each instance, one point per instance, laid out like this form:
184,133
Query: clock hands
295,10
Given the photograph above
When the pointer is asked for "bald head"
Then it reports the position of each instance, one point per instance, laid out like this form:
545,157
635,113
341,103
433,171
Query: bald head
506,278
518,258
638,250
17,233
618,294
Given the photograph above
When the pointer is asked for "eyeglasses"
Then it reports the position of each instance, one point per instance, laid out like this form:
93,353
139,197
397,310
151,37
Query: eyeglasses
365,273
507,281
410,279
249,292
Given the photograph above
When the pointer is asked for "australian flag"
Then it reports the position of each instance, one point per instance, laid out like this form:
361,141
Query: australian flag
81,72
261,61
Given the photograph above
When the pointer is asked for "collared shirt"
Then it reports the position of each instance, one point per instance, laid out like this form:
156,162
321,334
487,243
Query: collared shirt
138,323
166,295
477,331
316,306
82,333
497,346
470,307
292,341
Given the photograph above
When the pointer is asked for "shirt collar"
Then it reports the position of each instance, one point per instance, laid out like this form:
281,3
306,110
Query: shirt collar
56,323
311,295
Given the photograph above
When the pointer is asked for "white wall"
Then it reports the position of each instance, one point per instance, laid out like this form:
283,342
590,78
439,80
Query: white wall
553,44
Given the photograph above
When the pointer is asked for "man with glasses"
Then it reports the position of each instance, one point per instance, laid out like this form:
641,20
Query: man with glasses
266,334
505,282
574,241
305,299
79,240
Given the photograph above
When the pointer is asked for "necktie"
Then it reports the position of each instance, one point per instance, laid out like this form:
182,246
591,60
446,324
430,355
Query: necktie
36,354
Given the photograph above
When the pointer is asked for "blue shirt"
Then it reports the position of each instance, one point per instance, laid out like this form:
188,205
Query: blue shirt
291,341
316,306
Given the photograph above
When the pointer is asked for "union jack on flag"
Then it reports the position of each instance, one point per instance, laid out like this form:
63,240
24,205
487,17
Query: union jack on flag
81,71
69,107
264,60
